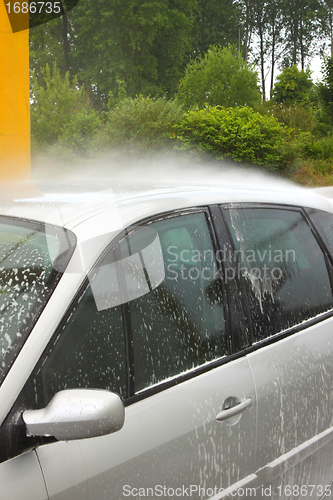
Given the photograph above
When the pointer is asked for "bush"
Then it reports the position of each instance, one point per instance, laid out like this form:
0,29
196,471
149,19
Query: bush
292,86
60,112
219,78
295,117
240,133
142,123
319,149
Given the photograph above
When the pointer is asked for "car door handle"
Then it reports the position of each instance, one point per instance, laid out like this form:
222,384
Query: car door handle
234,410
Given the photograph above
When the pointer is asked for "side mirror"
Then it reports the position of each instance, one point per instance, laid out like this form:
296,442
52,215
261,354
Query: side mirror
77,414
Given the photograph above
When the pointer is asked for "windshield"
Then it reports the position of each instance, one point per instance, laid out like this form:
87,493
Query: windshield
32,258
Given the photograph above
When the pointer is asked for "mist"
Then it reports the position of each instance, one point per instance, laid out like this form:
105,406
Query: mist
169,168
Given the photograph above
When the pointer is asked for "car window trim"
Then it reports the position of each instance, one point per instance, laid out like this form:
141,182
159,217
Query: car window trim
53,279
318,232
183,377
321,241
240,326
289,332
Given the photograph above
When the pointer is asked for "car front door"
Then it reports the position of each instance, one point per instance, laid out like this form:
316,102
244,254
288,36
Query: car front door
21,477
154,324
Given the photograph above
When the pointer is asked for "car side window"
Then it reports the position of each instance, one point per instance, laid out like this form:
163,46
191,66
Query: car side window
180,324
89,352
283,266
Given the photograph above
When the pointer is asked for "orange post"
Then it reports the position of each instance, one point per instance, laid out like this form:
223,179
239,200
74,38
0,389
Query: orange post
14,100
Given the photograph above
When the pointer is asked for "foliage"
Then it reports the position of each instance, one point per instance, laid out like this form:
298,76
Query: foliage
148,44
144,123
292,86
47,47
219,78
302,22
319,149
311,173
171,47
145,44
294,146
295,117
215,23
283,33
120,49
240,132
325,92
60,111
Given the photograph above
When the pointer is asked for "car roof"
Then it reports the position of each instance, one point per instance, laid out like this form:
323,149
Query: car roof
81,204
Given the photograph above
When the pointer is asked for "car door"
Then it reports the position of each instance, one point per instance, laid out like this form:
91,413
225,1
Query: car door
287,276
21,477
155,323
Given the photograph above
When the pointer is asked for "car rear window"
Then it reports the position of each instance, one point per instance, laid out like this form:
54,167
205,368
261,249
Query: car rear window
32,258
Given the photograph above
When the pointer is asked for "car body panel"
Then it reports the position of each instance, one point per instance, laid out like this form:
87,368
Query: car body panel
294,387
21,477
175,431
70,204
64,471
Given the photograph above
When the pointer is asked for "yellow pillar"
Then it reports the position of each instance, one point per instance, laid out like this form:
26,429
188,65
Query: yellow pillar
14,101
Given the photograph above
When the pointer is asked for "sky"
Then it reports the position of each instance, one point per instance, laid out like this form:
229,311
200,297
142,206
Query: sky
316,69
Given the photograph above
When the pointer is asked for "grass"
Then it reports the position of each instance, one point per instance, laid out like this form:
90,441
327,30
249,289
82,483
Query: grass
311,173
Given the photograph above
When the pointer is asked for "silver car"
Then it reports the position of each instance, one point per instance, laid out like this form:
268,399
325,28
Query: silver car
170,342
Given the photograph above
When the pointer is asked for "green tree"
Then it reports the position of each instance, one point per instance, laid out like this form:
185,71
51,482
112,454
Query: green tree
302,26
261,26
275,35
327,19
292,85
263,35
51,43
60,111
215,23
171,46
247,25
144,44
325,92
219,78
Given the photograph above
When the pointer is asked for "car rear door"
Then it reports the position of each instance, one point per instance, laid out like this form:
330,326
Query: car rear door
287,272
